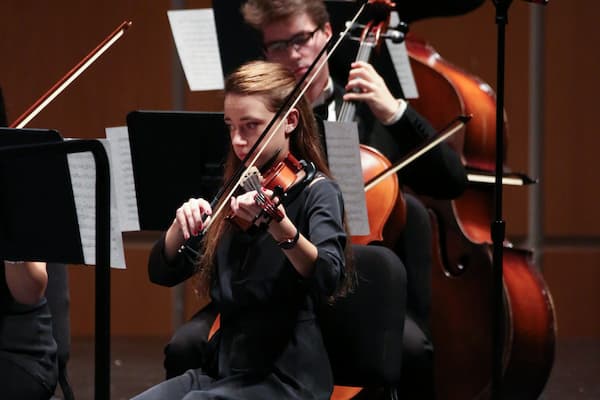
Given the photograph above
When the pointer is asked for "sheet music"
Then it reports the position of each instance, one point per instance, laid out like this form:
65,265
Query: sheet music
121,168
401,62
195,37
344,161
83,178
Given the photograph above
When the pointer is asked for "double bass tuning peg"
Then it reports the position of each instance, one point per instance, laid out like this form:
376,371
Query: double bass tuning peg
396,34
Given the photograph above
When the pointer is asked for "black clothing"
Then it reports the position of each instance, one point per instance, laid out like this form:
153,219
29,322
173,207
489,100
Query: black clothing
57,295
27,347
17,383
417,381
188,346
414,248
269,342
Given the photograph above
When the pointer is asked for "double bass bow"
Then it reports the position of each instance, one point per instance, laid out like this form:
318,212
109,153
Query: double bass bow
70,76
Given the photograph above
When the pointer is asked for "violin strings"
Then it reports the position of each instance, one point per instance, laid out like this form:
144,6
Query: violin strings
348,108
251,180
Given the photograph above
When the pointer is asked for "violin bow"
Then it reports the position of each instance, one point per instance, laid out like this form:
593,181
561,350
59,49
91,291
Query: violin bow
439,137
73,74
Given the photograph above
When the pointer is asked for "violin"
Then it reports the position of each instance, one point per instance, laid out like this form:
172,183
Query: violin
286,179
462,273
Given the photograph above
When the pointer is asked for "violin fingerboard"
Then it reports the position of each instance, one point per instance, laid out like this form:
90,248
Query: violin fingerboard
251,179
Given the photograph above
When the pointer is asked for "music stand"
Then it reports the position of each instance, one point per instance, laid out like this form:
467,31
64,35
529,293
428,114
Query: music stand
38,155
176,155
238,42
24,183
498,226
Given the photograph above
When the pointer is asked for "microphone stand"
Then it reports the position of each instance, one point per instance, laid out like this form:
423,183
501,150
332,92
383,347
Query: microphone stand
498,226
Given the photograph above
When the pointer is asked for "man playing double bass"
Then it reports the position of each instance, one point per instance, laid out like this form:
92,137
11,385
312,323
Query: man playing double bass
293,32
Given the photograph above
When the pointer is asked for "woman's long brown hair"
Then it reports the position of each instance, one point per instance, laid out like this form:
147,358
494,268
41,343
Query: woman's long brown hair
273,83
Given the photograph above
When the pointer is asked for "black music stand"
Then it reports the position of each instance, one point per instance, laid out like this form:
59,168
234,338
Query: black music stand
37,200
238,42
498,226
176,155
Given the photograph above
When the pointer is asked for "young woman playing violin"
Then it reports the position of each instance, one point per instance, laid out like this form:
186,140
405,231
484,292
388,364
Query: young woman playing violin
293,32
266,284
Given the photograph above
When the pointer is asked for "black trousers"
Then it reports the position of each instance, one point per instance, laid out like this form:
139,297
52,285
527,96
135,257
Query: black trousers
414,248
187,347
17,384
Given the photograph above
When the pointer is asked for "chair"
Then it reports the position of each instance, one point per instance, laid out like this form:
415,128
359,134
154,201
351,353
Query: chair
363,332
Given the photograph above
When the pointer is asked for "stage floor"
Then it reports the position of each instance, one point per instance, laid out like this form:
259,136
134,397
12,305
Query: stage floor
137,365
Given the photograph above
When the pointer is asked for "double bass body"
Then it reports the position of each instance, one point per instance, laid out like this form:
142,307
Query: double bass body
462,272
462,315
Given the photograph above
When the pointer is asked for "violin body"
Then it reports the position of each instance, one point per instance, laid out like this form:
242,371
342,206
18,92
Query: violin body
462,276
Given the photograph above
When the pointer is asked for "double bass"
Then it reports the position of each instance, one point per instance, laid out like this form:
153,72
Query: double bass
462,272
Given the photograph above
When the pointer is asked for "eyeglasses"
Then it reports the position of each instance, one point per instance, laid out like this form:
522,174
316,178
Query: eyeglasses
297,41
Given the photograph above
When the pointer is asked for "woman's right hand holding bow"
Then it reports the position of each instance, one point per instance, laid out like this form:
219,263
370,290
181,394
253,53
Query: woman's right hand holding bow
189,221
